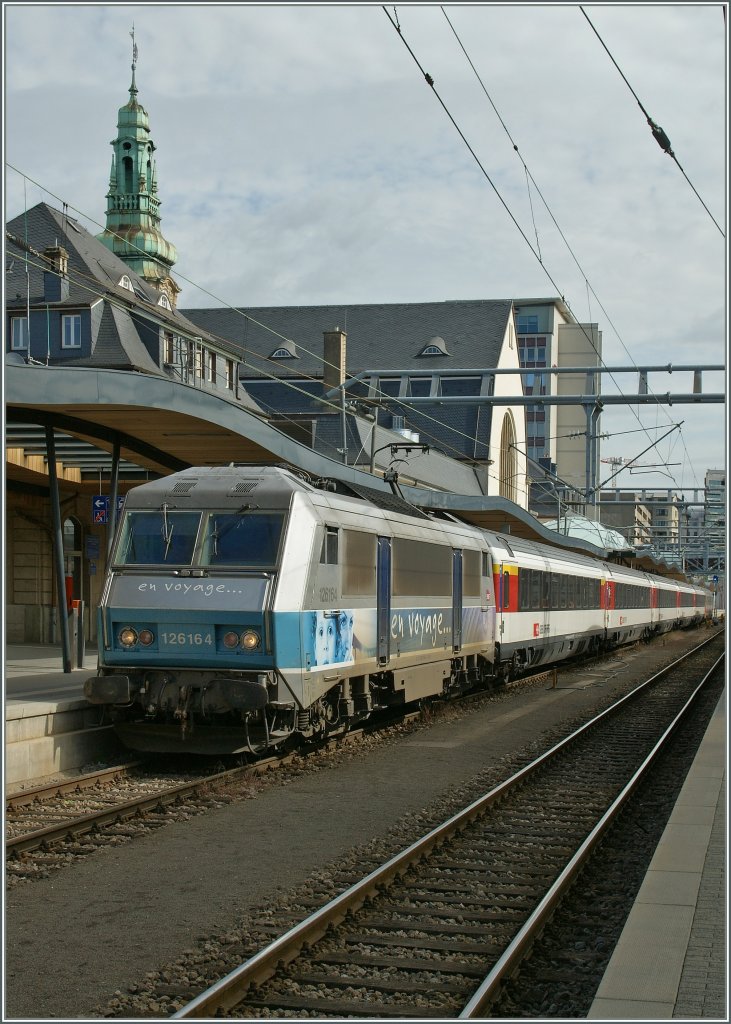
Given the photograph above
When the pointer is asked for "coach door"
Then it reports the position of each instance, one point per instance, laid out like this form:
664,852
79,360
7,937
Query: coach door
456,600
383,594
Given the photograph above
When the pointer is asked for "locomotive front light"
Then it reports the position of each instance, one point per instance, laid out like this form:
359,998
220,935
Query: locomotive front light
146,637
128,637
231,640
250,640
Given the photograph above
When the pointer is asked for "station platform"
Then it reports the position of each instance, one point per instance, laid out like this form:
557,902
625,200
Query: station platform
670,961
49,725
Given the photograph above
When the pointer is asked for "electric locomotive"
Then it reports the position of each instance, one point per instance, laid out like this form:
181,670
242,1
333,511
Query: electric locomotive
245,606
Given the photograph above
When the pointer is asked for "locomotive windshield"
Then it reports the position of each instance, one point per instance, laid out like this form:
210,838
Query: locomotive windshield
242,538
158,538
164,537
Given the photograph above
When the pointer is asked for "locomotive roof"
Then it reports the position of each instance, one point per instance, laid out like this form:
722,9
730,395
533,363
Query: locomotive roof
272,487
219,486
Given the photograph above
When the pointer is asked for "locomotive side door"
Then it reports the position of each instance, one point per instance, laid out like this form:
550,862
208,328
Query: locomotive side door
456,600
383,599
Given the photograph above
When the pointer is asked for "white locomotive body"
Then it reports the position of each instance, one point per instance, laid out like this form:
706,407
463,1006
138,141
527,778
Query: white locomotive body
244,606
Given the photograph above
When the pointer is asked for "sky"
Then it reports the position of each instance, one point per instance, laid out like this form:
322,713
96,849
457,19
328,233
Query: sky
303,159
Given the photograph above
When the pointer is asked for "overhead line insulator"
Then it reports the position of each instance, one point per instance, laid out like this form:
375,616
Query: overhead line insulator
662,140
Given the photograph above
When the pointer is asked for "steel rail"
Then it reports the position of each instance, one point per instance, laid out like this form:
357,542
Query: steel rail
489,989
229,990
85,823
123,811
28,796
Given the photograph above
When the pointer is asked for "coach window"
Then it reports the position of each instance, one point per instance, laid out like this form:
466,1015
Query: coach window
523,590
329,553
545,590
562,592
535,589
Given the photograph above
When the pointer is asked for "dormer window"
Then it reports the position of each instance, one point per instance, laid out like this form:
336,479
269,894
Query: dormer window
435,347
126,283
285,351
164,301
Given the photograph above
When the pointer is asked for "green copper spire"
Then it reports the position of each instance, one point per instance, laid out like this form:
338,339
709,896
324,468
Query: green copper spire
133,221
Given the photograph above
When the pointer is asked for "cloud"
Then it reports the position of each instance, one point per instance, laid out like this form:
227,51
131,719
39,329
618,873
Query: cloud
302,158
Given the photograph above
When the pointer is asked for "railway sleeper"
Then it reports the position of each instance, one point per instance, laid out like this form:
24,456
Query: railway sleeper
424,927
372,984
382,962
343,1009
408,942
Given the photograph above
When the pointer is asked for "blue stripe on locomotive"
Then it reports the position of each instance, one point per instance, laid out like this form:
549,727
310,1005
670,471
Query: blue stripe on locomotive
310,639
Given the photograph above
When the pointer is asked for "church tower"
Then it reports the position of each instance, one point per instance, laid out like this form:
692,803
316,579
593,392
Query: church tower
133,219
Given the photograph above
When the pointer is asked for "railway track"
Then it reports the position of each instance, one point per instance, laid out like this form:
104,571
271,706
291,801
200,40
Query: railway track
436,930
47,826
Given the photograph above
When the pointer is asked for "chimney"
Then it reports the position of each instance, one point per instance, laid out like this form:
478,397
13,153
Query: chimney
334,355
56,281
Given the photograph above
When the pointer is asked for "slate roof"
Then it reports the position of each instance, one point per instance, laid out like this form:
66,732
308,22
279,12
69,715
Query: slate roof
118,345
389,337
385,337
94,271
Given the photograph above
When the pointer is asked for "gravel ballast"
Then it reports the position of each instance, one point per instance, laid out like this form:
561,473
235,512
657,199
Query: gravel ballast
100,925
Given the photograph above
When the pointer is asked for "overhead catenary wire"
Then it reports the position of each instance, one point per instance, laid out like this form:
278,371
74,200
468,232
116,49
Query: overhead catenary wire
247,318
82,280
657,132
529,177
430,82
92,286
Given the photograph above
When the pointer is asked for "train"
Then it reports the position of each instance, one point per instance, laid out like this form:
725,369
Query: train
246,607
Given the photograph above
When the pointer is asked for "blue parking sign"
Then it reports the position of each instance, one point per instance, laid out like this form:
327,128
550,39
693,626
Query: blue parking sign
100,508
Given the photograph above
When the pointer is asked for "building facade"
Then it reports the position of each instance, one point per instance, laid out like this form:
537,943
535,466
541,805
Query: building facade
423,370
557,435
626,512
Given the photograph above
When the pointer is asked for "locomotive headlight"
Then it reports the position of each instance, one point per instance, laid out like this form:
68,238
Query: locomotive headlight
231,640
128,637
250,640
146,637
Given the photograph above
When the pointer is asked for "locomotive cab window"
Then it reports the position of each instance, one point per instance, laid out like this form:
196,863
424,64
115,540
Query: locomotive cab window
242,538
329,552
157,537
471,567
